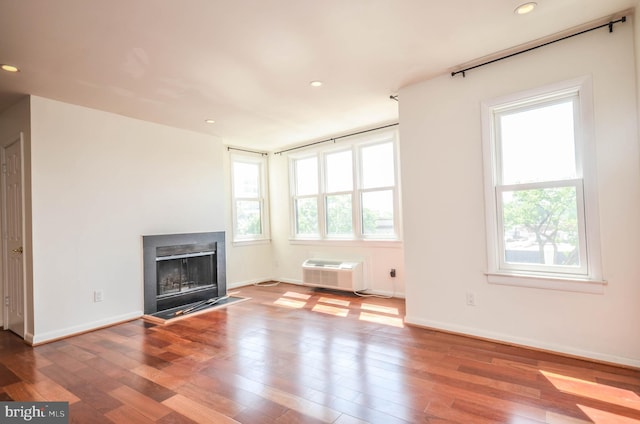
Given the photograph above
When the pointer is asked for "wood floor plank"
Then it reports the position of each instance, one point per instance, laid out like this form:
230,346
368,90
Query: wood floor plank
128,415
347,419
21,391
51,391
82,413
158,376
196,411
94,397
176,418
142,385
141,403
212,400
7,376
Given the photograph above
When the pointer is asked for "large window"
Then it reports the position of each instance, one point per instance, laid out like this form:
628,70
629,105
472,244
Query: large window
540,185
347,191
248,177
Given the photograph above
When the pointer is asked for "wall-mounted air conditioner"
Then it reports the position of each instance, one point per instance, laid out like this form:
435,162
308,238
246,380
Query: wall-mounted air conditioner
333,274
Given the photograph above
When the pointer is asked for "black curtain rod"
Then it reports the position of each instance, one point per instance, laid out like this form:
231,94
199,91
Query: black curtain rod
247,151
609,24
334,139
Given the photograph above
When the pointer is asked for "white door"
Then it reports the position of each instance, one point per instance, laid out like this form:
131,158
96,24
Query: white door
13,236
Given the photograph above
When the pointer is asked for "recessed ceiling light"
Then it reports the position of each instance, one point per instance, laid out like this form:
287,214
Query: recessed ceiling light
315,83
525,8
209,121
9,68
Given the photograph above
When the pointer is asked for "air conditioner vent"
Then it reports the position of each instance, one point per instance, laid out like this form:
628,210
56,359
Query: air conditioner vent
340,275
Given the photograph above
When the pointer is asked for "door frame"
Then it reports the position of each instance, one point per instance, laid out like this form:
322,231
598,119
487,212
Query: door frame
19,138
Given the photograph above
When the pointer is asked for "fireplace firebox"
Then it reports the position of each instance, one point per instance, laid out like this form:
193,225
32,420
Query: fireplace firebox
180,269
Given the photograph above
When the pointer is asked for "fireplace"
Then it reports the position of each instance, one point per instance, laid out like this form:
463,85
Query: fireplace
180,269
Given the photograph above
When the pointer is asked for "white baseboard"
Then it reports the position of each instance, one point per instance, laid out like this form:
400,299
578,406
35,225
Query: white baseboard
524,342
290,281
35,339
384,293
239,284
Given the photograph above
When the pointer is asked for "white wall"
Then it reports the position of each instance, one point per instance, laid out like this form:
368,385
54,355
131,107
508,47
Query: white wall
288,256
445,245
99,182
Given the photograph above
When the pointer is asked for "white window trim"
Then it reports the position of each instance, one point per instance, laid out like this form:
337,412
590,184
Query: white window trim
355,145
263,198
592,280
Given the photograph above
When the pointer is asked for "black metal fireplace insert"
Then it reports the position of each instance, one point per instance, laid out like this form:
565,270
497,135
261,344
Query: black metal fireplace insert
180,269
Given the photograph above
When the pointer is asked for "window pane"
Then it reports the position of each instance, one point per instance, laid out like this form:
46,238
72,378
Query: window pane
541,226
339,171
377,212
307,216
306,176
538,144
378,166
248,218
246,179
339,215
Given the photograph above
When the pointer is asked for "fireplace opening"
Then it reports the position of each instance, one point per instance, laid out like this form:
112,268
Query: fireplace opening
180,269
184,268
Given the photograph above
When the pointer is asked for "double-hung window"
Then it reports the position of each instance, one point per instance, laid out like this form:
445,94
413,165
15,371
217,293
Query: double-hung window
249,192
540,188
306,196
347,191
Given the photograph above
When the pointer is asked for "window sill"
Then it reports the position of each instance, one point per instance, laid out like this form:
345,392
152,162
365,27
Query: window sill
392,244
580,285
238,243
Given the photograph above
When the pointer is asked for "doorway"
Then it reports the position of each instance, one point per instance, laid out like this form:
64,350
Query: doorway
13,271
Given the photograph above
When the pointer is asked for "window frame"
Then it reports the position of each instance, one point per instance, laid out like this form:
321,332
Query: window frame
262,198
588,277
355,145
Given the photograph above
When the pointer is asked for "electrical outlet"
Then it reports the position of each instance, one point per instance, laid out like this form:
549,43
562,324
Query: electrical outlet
471,299
98,295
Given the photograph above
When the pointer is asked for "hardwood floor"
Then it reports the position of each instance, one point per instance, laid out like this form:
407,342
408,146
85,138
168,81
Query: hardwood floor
295,355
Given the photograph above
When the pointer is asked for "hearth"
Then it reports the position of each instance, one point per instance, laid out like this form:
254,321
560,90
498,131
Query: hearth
180,269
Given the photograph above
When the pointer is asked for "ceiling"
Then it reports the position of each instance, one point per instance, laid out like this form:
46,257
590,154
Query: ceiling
247,64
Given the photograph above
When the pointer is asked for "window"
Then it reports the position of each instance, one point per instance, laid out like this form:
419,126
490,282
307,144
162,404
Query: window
540,187
339,193
348,191
248,178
